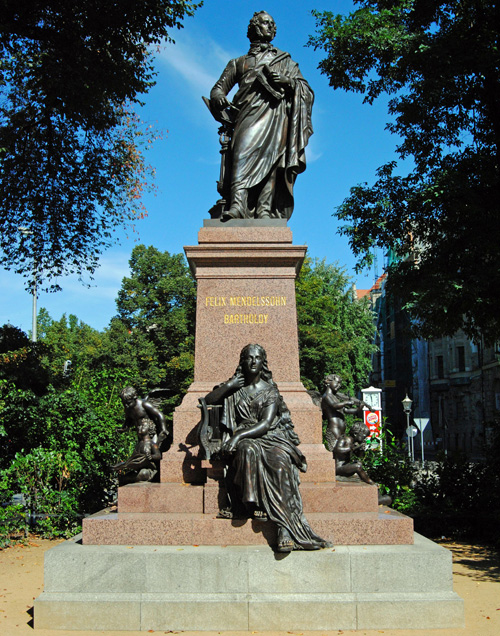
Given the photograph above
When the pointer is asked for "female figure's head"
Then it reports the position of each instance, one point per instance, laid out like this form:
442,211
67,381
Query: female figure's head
253,361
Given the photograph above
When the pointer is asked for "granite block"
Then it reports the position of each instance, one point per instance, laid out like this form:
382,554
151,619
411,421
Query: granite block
327,572
166,497
280,612
402,567
370,528
194,612
225,234
386,527
339,497
253,588
437,610
184,570
93,612
94,569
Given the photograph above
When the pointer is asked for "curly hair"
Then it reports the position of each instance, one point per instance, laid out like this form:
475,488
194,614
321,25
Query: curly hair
331,377
359,427
150,424
128,392
253,31
266,373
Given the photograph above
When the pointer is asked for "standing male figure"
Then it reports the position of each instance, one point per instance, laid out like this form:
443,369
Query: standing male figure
271,112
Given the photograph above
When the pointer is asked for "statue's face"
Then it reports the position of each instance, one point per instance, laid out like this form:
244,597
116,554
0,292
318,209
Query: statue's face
334,383
253,361
266,27
358,436
128,401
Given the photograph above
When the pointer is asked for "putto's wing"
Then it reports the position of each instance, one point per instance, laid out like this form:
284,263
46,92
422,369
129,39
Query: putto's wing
157,396
315,397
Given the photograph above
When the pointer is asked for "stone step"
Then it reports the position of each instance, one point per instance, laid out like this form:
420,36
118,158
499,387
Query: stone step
186,467
247,588
131,528
175,497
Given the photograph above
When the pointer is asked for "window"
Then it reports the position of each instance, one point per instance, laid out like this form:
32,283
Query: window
439,367
461,358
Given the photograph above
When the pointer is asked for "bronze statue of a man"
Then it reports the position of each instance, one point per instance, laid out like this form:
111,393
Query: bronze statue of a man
269,123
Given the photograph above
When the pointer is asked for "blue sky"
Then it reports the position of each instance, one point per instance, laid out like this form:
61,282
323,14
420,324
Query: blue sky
348,144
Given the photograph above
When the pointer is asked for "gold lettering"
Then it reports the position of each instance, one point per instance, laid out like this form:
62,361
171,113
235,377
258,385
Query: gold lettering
283,300
246,319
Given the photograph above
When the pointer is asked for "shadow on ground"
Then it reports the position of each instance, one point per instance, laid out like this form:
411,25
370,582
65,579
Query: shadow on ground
482,562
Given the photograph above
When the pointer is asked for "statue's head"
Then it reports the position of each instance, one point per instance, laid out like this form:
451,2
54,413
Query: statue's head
261,28
146,427
128,395
333,380
359,431
265,373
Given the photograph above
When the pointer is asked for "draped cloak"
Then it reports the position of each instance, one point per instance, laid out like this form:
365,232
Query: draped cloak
271,133
265,470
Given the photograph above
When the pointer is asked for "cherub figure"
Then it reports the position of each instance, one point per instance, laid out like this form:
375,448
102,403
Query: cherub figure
335,406
345,447
142,465
137,409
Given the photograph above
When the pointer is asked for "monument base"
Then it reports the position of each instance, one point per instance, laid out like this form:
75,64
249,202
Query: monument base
247,588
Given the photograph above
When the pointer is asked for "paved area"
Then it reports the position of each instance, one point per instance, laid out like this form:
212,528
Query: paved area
476,578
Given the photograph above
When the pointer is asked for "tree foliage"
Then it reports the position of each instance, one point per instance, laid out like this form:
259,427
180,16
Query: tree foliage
335,329
439,62
71,162
153,334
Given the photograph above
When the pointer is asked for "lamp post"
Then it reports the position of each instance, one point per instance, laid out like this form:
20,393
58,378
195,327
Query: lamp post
25,231
407,409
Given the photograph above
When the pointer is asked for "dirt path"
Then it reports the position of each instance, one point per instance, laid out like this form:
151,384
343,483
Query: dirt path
476,578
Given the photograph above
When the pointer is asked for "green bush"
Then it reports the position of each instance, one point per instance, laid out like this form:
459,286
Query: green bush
48,481
391,470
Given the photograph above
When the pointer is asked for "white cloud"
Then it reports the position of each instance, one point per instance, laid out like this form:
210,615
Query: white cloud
199,61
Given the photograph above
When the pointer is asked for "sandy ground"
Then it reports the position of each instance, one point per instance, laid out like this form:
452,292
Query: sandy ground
476,578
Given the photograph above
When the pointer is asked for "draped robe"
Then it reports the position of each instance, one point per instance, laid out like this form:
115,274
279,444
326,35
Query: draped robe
270,133
265,470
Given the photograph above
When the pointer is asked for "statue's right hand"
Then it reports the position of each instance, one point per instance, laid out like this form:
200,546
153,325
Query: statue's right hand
220,103
236,382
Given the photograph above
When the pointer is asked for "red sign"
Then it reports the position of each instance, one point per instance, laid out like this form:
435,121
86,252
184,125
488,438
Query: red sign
373,421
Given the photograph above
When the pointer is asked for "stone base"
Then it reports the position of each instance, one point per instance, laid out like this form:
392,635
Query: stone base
247,588
179,497
384,527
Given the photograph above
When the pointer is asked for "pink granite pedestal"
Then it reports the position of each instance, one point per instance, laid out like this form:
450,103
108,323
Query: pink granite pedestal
245,275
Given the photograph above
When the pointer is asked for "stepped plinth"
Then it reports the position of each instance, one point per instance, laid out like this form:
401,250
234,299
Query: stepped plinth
164,561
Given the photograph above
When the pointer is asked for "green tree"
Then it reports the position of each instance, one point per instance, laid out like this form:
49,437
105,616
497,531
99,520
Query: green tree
153,333
439,62
71,162
336,330
67,339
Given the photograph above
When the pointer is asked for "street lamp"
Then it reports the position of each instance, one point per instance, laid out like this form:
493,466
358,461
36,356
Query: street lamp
407,409
25,231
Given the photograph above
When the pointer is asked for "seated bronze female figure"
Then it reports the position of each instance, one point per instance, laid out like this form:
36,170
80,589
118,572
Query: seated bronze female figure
262,450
